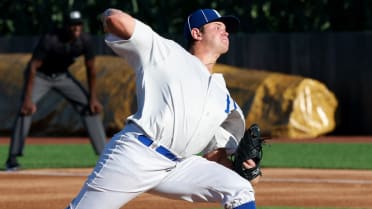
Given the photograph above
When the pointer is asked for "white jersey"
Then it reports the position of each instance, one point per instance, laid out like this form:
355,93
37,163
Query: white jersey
180,104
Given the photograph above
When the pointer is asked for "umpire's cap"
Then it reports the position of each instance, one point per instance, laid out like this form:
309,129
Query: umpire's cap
203,16
73,18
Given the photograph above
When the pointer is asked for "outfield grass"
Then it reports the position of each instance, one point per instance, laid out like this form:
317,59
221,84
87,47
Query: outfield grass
278,155
327,155
54,156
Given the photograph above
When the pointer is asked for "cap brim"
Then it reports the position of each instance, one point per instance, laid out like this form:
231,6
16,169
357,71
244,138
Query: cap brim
231,23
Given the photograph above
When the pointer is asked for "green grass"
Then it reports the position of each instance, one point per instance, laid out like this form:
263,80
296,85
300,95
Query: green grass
327,155
54,156
290,155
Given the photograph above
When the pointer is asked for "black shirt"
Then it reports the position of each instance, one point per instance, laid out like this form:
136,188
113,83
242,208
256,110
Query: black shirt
58,54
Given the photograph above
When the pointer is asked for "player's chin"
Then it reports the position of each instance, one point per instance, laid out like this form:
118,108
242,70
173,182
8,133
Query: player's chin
255,181
224,48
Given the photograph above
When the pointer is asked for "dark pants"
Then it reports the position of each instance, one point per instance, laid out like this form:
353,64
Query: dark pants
74,92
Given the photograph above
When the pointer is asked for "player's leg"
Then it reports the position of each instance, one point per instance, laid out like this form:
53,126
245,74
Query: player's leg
126,169
91,198
22,122
75,93
102,190
197,179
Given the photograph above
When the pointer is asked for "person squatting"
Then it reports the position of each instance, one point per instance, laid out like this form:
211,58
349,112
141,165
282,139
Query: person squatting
48,71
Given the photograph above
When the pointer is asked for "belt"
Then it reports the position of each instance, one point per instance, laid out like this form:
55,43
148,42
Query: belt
51,76
158,148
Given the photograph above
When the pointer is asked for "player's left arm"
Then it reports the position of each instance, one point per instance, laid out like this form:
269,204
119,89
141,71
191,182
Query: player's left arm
220,156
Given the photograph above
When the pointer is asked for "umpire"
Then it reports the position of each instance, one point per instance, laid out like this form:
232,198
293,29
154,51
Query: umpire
48,70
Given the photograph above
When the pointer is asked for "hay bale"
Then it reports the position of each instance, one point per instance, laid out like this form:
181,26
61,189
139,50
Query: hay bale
283,105
55,116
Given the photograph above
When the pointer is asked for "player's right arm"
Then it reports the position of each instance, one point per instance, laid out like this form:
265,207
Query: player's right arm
28,107
133,40
118,23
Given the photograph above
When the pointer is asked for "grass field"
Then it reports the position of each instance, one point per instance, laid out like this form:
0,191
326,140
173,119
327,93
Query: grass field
54,156
325,155
278,155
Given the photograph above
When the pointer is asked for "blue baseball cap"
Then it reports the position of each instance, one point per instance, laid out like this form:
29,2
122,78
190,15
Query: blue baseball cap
203,16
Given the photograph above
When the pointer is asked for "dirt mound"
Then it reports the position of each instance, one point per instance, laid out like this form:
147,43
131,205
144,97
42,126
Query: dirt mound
54,188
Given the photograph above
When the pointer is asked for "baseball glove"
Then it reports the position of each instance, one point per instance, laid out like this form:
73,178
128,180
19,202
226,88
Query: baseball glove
250,147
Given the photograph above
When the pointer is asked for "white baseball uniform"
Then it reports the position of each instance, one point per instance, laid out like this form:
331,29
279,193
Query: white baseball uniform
183,111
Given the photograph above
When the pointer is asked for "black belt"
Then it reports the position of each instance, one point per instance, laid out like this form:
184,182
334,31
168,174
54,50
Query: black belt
51,75
160,149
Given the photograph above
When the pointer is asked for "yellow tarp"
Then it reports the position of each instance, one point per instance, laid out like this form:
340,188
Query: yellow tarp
283,105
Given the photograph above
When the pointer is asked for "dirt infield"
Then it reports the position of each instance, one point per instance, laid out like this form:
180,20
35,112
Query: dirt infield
47,188
54,188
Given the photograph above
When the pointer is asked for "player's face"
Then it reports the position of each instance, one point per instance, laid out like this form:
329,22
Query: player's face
216,36
75,30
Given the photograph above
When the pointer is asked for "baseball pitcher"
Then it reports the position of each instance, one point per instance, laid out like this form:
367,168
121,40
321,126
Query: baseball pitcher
184,109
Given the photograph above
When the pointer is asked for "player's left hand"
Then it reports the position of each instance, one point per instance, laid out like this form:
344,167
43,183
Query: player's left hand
249,154
250,164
